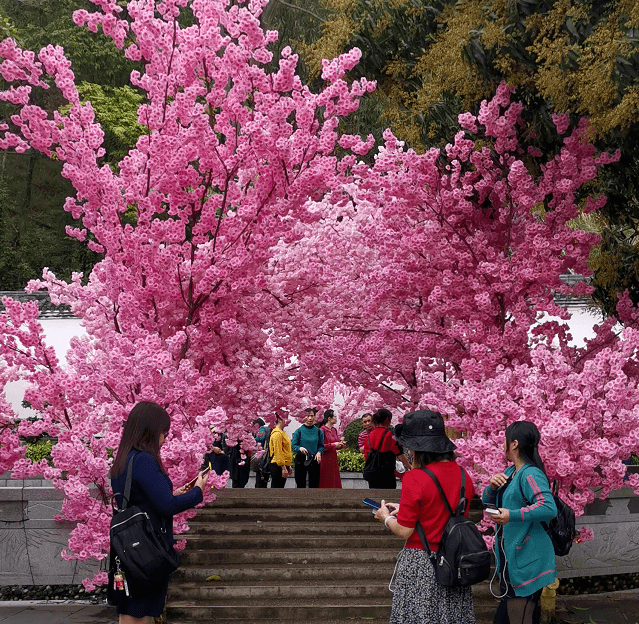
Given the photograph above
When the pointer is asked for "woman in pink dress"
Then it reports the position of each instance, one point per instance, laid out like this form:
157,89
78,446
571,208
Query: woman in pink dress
329,468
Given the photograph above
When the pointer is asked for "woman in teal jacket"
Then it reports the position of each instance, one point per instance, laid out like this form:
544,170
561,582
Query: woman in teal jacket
525,558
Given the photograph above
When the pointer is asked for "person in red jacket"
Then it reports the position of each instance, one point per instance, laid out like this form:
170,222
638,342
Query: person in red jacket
382,440
418,598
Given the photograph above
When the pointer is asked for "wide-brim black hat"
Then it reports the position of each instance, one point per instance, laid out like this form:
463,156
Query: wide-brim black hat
424,431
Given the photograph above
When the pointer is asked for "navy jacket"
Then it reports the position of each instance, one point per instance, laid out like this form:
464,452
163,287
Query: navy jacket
152,491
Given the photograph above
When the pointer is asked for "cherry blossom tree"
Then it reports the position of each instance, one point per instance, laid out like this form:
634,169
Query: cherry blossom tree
431,283
175,310
254,256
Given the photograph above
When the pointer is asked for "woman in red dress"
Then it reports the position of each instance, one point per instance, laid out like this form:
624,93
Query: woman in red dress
329,468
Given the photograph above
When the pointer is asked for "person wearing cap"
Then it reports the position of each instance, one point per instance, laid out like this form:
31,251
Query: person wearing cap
308,445
279,447
418,598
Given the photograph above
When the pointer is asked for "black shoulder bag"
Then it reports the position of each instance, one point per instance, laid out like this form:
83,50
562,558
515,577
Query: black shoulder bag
140,555
378,464
561,529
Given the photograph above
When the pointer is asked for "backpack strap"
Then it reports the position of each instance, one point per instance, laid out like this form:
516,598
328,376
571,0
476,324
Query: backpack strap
379,448
555,485
129,482
462,501
368,438
461,506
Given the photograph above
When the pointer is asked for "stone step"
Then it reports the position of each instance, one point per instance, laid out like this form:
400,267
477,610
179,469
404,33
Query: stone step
303,572
273,497
276,527
266,589
283,610
210,556
302,542
224,593
304,499
482,618
283,516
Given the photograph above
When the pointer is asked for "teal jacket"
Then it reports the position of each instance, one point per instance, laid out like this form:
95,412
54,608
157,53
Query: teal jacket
311,438
530,558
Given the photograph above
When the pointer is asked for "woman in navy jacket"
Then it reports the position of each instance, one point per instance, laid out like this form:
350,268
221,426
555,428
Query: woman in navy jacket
525,558
144,433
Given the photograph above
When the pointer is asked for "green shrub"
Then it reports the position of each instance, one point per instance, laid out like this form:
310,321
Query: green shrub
39,451
351,432
350,461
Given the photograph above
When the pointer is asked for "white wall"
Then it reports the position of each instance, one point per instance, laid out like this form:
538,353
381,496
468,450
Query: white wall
58,333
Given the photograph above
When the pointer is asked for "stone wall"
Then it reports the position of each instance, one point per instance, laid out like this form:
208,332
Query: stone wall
31,540
615,547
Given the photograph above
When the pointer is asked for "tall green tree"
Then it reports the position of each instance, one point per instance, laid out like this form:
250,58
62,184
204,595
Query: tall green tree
434,59
32,191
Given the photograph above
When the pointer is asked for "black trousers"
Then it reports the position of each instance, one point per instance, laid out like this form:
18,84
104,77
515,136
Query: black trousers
277,480
385,481
261,479
528,610
312,470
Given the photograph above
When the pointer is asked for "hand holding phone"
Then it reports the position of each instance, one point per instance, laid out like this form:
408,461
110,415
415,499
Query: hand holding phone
204,474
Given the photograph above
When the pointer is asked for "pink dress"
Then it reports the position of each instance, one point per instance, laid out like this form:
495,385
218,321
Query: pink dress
329,468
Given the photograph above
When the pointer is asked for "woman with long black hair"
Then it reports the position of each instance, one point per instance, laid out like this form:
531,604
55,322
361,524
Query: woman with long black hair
525,558
144,432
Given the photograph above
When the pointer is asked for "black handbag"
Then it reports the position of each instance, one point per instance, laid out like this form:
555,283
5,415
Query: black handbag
138,550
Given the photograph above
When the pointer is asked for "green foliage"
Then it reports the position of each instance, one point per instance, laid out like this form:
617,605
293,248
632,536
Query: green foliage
350,461
40,450
32,190
351,432
117,111
32,222
95,58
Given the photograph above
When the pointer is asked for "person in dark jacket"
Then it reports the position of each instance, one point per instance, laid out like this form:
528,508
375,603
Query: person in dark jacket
144,433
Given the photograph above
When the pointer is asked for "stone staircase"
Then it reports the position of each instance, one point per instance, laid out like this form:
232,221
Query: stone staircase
290,555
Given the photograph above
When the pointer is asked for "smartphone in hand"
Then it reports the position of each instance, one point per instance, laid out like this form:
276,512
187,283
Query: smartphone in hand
191,483
369,502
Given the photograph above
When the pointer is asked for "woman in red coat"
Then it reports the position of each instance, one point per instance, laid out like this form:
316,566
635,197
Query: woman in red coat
329,468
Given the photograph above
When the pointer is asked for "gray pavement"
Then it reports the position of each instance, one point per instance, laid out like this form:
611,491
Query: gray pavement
55,612
620,607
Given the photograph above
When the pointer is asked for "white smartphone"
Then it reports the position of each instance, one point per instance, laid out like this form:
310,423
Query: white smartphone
492,511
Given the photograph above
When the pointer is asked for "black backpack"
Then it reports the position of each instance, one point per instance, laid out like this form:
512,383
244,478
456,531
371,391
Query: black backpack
378,464
463,558
561,530
264,462
137,548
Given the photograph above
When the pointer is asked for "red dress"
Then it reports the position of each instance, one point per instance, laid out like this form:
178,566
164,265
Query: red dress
329,468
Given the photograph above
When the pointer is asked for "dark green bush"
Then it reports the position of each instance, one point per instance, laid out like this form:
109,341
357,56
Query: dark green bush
351,432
